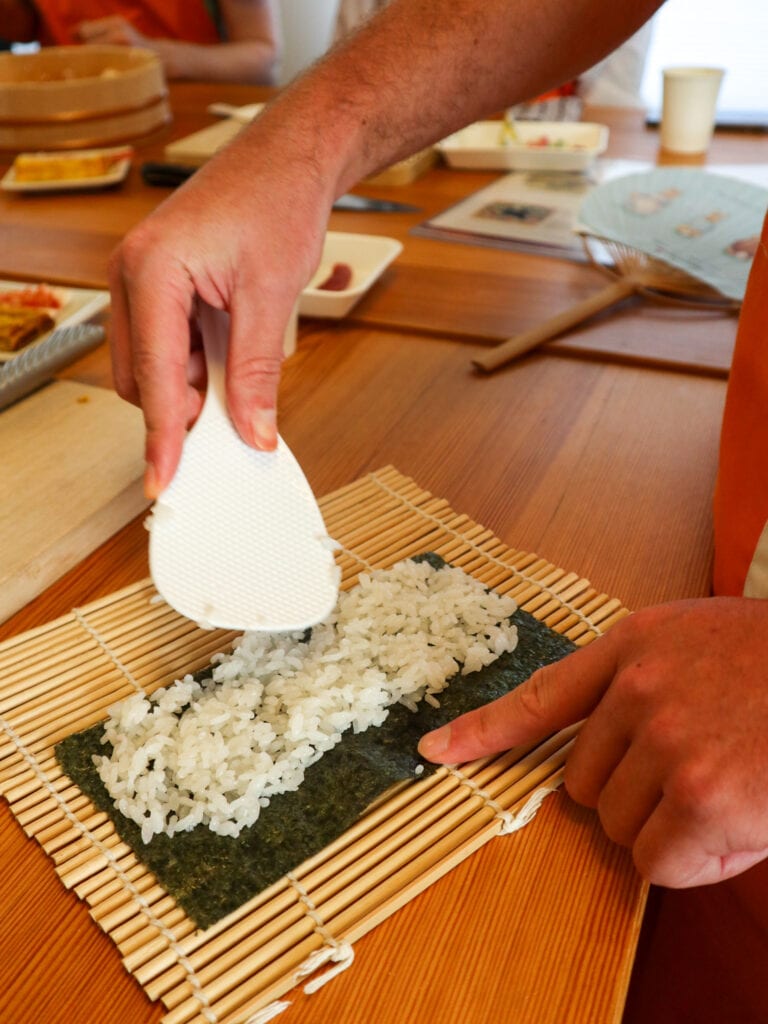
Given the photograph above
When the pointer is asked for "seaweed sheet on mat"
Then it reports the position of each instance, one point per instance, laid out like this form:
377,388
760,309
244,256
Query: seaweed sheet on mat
210,876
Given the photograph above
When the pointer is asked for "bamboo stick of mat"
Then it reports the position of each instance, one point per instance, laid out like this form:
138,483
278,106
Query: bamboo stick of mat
410,876
347,860
342,911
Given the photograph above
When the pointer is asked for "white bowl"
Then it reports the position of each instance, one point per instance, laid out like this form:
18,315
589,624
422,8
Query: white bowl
367,255
485,145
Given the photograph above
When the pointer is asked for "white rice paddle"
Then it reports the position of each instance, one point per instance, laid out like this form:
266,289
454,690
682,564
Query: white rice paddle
236,539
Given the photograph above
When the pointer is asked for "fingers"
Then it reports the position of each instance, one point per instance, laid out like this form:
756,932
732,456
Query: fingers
629,796
555,696
256,349
701,831
673,763
119,335
602,763
155,368
150,349
674,808
87,30
100,29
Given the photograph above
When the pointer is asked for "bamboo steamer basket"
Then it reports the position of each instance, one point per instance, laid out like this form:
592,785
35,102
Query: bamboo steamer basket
70,97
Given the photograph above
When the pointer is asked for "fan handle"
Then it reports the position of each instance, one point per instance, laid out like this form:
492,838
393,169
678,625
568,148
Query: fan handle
508,350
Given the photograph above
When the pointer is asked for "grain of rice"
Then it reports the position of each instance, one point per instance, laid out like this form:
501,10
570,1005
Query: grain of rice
214,751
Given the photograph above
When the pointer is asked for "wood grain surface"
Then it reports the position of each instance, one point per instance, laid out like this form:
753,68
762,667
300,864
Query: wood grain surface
473,292
604,467
73,456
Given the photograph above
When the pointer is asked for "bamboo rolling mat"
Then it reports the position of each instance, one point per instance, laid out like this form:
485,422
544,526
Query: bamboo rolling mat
63,676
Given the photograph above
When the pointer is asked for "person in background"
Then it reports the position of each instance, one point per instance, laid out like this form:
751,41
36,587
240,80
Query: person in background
350,14
617,80
673,751
229,41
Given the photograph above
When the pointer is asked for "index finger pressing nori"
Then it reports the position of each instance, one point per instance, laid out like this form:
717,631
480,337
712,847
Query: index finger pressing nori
210,876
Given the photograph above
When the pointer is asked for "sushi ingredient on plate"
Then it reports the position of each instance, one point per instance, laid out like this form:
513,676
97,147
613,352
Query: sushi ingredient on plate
35,296
339,278
20,326
35,167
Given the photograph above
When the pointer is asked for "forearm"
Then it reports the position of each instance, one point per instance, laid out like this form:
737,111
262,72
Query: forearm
246,232
241,61
423,68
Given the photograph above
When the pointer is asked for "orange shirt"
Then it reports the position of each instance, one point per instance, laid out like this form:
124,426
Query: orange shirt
706,948
741,495
187,20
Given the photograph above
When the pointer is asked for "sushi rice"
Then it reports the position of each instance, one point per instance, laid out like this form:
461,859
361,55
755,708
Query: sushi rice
214,751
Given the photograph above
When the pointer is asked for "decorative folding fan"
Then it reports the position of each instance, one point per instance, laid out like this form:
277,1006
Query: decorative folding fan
672,234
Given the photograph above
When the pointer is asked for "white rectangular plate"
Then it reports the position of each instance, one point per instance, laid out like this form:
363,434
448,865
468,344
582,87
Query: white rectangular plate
79,305
114,177
484,145
367,255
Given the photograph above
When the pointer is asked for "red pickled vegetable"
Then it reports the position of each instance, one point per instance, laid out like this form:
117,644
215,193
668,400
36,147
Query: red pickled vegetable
33,297
338,279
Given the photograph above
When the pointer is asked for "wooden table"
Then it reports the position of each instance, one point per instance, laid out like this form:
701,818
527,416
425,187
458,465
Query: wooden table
604,469
493,294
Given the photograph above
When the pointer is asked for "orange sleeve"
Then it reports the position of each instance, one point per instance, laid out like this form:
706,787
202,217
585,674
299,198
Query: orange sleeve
741,494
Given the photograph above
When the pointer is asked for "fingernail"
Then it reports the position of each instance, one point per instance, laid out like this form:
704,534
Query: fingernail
434,744
151,488
264,425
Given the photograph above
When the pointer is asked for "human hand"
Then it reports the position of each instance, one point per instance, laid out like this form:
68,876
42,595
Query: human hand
113,31
673,753
246,243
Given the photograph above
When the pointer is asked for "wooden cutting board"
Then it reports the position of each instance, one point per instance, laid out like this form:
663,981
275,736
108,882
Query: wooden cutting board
71,467
196,148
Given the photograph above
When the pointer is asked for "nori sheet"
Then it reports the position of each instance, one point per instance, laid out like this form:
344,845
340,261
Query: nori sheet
210,876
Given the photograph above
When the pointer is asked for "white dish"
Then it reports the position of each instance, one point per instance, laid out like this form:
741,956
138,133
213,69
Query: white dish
78,305
114,177
367,255
485,145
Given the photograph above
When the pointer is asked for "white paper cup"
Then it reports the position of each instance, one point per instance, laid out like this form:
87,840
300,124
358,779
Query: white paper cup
688,108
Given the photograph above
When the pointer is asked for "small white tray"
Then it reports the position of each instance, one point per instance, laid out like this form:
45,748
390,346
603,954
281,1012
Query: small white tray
79,305
484,145
367,255
114,177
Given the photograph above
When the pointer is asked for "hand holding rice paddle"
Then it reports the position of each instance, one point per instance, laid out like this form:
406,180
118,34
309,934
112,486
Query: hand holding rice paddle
236,539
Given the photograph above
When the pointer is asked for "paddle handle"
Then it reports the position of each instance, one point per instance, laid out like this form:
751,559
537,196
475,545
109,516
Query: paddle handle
508,350
214,328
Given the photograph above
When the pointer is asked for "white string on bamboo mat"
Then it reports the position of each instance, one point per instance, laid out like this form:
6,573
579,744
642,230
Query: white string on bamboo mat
491,558
144,907
81,619
341,953
510,822
268,1012
531,806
